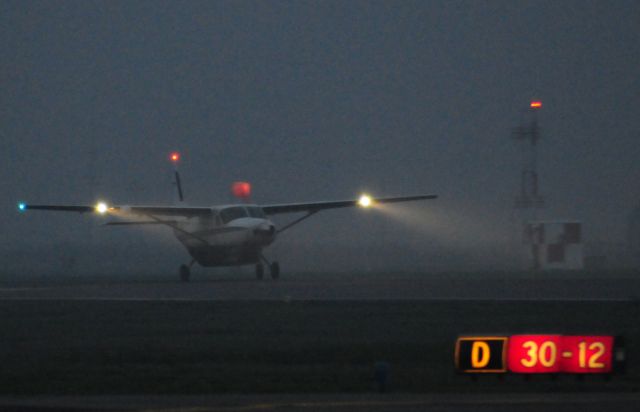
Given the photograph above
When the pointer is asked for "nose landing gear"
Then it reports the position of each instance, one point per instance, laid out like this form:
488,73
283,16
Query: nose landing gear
274,269
185,271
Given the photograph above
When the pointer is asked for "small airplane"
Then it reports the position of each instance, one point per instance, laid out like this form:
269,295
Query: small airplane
220,235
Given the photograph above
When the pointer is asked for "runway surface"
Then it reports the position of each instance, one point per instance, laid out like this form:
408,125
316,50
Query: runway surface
307,287
339,287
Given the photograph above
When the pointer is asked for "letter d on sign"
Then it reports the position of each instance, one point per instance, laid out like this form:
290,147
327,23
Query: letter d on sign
480,354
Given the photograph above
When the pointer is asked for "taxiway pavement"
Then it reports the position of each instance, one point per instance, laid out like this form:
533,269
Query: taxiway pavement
338,287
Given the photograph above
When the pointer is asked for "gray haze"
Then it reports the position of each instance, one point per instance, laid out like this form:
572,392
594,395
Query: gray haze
312,101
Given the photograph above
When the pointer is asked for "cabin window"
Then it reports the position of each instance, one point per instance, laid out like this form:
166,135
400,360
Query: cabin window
210,219
255,211
232,213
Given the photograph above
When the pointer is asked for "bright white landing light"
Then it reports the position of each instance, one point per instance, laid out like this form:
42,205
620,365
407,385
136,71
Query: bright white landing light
365,201
102,208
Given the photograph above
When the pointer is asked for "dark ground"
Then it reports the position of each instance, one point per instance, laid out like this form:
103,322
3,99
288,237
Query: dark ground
126,347
159,344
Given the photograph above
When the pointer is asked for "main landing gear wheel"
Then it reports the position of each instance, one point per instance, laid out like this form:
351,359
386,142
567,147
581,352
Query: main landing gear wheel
274,268
185,273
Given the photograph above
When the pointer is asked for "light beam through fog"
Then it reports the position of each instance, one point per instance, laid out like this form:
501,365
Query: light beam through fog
485,237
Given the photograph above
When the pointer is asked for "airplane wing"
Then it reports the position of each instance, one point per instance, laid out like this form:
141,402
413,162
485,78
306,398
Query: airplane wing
184,211
124,210
318,206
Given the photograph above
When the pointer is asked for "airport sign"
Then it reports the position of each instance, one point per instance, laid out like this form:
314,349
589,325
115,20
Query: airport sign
535,354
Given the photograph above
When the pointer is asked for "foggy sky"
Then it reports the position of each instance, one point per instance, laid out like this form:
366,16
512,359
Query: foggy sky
312,101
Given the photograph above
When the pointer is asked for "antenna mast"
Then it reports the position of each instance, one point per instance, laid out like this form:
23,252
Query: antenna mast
528,133
175,158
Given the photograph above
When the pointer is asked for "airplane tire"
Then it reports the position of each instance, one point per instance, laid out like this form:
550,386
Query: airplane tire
259,271
275,270
185,273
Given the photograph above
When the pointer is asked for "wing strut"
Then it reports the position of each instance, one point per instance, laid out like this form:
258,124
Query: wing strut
295,222
179,229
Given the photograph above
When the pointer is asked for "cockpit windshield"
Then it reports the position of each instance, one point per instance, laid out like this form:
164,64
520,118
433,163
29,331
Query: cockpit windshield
232,213
255,211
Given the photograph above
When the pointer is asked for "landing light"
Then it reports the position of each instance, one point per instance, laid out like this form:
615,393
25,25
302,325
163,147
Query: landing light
102,208
365,201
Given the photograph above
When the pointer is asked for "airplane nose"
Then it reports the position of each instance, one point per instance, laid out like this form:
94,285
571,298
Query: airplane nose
265,234
265,230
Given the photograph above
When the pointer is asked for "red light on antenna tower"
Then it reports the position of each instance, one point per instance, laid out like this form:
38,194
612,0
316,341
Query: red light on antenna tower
175,157
241,190
536,104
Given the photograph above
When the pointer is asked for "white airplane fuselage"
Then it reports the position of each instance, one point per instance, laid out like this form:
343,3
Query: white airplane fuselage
231,235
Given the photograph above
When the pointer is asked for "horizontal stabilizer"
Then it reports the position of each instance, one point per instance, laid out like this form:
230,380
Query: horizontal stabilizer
164,222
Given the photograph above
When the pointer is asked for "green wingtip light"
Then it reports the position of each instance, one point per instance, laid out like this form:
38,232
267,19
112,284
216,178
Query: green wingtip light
22,206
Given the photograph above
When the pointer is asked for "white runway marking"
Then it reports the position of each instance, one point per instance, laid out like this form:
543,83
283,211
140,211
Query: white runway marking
333,288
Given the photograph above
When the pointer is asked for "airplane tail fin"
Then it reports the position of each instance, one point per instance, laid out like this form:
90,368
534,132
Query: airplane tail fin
178,186
175,158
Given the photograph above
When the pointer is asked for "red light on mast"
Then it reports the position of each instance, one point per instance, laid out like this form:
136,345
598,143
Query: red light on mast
241,190
175,157
536,104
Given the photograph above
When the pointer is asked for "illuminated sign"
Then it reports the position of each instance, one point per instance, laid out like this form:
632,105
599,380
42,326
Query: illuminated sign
481,354
586,354
533,354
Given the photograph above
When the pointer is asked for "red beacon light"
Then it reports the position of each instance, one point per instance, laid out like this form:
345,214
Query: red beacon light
241,190
536,104
175,157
